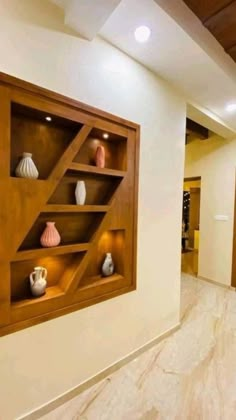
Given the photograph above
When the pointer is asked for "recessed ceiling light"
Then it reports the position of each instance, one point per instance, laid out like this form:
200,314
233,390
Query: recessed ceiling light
105,135
48,118
231,107
142,34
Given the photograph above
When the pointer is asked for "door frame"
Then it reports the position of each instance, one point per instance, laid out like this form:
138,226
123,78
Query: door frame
233,273
199,178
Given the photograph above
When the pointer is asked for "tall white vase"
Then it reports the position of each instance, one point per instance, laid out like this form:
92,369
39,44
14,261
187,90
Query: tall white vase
80,193
108,265
26,167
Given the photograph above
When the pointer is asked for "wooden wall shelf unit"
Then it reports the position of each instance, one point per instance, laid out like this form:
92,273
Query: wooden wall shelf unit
63,150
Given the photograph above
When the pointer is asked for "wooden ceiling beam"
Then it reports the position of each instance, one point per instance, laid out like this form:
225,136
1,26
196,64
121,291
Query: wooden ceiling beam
205,9
223,25
219,17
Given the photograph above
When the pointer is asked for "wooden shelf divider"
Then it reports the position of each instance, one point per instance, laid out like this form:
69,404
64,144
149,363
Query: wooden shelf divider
95,170
30,254
67,208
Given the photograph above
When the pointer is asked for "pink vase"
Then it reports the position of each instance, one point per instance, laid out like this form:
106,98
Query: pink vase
100,157
50,236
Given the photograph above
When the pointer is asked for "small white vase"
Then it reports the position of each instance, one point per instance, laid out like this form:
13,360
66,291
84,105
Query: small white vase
26,167
108,265
80,193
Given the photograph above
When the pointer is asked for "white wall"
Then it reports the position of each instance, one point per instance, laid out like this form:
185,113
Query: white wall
215,161
40,363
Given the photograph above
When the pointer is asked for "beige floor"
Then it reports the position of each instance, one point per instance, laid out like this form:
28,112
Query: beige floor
188,376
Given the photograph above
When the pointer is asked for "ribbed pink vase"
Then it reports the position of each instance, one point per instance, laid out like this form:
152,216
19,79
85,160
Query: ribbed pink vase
50,236
100,157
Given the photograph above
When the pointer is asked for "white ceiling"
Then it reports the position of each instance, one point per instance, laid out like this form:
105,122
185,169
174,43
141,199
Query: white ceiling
87,16
180,49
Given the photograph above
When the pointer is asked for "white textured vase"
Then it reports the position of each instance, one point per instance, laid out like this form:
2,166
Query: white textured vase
26,167
80,193
108,265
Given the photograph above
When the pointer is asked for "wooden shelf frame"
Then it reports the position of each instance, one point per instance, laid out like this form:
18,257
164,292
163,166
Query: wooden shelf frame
26,199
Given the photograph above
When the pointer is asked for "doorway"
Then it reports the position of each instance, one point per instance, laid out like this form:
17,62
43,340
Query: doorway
191,225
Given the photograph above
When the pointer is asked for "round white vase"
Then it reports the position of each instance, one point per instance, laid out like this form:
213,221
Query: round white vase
108,265
80,193
26,167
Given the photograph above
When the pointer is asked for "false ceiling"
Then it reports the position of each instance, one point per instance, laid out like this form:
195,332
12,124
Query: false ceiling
87,16
219,16
180,49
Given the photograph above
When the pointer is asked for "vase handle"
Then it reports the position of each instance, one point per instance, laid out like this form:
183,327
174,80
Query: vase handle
32,279
44,273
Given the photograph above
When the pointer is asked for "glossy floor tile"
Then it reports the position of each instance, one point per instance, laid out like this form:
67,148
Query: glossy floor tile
189,376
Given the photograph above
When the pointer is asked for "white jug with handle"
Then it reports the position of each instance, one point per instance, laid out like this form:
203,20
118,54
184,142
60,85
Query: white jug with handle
38,281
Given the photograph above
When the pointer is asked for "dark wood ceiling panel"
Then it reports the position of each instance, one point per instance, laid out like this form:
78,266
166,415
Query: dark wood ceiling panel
232,52
219,16
197,130
223,26
204,9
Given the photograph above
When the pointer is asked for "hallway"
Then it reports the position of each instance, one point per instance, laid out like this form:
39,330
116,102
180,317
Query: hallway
189,263
190,375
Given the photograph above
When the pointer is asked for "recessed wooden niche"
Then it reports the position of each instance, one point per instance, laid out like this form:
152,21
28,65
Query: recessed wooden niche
63,150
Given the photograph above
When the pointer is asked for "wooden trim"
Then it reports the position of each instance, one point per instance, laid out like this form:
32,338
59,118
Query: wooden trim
22,85
5,293
63,311
193,178
233,273
5,127
46,105
136,200
5,281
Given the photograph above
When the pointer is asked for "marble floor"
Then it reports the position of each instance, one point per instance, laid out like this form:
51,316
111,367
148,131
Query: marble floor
190,375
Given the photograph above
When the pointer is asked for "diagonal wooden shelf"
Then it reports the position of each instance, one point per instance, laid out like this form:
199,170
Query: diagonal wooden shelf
48,252
95,170
99,280
67,208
